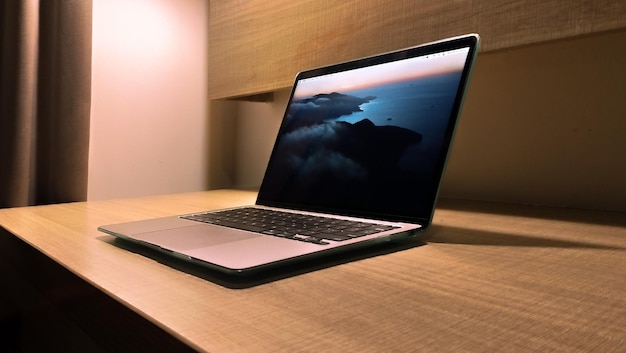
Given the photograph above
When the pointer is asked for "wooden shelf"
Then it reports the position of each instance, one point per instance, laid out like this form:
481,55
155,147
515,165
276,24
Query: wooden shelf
258,46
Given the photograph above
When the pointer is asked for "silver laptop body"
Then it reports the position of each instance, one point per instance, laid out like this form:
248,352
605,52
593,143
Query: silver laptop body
363,141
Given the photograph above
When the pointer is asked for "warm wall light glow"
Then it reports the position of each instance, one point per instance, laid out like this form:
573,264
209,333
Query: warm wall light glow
148,103
142,29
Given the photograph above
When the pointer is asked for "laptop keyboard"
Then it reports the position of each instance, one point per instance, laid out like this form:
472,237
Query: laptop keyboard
312,229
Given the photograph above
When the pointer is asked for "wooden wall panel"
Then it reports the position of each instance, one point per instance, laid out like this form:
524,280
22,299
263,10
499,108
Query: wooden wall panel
258,46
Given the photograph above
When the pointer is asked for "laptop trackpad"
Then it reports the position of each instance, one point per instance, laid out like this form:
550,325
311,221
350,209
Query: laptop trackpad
193,237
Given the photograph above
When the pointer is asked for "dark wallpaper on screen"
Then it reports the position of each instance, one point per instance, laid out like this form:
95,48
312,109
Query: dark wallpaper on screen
364,149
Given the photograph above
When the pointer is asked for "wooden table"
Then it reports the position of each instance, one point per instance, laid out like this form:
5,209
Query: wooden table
492,277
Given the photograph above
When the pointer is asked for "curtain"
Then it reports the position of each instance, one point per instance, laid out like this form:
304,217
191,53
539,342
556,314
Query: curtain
45,93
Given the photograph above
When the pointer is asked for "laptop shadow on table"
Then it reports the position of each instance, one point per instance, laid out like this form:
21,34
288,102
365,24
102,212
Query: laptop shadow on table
608,218
458,235
283,271
461,235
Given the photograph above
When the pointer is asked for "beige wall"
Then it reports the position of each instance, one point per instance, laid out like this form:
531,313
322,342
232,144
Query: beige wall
546,125
149,108
542,125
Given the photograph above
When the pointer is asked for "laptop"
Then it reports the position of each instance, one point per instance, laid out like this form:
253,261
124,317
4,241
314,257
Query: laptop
358,160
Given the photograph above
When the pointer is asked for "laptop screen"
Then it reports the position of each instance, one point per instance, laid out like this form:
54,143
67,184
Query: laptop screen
369,137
